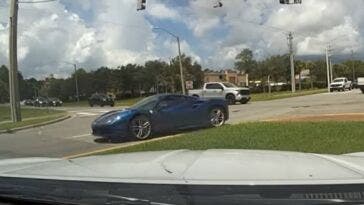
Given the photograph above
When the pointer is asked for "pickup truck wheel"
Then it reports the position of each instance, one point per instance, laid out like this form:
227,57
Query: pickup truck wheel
196,96
230,99
243,101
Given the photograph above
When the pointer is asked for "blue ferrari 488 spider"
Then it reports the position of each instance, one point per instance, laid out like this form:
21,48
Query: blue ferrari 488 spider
161,113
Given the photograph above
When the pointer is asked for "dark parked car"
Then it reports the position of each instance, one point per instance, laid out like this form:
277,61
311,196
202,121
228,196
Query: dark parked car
41,102
29,102
101,100
162,113
55,102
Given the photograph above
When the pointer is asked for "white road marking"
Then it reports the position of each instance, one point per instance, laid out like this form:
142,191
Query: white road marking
79,136
103,111
86,113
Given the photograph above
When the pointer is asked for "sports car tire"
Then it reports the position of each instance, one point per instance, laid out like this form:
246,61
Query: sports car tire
217,117
140,127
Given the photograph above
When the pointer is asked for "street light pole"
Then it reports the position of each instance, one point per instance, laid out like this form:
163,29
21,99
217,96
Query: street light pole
13,62
291,56
76,82
179,56
181,68
328,69
352,64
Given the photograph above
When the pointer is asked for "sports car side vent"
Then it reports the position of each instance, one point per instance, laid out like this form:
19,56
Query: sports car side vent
335,195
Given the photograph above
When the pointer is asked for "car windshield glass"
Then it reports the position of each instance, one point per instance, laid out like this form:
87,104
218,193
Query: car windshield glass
338,80
146,104
229,85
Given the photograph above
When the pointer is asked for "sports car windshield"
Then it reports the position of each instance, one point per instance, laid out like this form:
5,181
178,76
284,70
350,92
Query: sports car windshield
146,104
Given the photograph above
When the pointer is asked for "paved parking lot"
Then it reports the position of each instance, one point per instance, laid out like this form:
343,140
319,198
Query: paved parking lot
72,136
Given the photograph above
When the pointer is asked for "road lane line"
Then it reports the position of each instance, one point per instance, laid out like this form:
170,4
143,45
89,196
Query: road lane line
79,136
87,113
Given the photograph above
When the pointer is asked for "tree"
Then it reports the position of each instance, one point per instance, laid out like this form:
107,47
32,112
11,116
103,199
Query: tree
244,62
192,71
4,84
299,67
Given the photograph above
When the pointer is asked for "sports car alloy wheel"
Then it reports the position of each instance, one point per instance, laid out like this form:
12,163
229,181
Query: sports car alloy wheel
141,127
217,117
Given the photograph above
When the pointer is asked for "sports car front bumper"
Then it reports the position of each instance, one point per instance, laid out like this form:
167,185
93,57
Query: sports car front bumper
103,130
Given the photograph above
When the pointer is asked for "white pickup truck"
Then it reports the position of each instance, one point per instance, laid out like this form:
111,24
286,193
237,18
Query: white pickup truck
226,90
340,84
361,84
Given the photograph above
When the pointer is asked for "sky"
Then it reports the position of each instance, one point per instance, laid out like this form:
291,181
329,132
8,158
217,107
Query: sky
95,33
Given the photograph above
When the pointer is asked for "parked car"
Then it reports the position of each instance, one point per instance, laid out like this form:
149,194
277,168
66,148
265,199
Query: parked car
29,102
340,84
41,102
161,113
226,90
101,100
54,102
360,84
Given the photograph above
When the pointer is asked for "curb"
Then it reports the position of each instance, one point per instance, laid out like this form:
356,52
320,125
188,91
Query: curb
35,125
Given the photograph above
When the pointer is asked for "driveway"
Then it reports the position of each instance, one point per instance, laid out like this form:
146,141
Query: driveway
72,136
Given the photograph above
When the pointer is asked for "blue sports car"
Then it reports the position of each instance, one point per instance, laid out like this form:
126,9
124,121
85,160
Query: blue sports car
161,113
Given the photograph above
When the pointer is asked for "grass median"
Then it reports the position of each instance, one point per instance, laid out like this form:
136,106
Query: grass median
284,94
30,116
315,137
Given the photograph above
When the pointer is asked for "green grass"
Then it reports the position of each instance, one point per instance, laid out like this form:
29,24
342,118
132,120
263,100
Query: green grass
30,121
315,137
127,102
284,94
27,113
29,116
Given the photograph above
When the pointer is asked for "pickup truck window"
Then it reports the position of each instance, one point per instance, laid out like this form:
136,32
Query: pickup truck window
213,86
229,85
338,80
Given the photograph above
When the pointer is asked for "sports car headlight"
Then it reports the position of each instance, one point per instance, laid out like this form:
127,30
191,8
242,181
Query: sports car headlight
111,119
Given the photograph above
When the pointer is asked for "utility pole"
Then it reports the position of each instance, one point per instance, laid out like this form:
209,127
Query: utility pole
331,73
181,68
13,62
76,82
328,69
290,45
352,64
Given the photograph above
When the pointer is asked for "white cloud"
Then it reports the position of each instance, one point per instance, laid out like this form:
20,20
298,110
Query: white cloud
263,26
161,11
97,33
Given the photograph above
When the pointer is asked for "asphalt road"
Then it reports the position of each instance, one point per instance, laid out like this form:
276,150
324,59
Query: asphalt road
72,136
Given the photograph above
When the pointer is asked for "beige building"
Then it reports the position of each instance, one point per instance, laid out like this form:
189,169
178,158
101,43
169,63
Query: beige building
228,75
